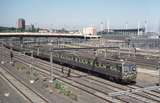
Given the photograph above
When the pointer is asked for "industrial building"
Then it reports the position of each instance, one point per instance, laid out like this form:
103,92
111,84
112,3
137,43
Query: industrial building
89,31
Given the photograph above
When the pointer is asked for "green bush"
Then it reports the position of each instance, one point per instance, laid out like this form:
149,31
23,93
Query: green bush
63,90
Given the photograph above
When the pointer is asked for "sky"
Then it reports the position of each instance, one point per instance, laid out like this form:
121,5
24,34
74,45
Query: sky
75,14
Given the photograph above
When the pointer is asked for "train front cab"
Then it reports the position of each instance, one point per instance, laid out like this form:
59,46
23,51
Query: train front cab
129,72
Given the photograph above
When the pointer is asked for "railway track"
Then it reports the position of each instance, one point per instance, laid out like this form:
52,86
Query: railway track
107,85
79,85
17,89
31,95
134,96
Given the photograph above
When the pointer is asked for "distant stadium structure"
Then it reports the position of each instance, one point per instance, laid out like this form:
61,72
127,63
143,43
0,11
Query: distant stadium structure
134,31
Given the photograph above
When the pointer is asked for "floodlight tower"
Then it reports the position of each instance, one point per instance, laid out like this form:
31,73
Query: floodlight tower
101,27
126,26
145,26
108,25
138,27
159,28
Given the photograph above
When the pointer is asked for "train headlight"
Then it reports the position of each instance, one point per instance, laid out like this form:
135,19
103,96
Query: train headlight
134,69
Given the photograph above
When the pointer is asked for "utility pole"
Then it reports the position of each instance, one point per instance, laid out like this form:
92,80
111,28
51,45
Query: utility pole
31,67
2,62
158,68
51,69
38,51
129,46
145,26
108,26
119,52
138,28
105,54
126,27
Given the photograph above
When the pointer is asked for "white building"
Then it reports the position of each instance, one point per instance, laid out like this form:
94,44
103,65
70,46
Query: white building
89,31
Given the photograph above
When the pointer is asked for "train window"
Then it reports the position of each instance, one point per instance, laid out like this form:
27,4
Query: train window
77,59
80,60
113,68
85,61
67,57
71,57
102,66
74,58
107,66
90,62
96,64
125,69
119,68
130,68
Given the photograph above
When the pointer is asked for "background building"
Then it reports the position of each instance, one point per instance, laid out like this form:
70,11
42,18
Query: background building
29,28
21,23
89,31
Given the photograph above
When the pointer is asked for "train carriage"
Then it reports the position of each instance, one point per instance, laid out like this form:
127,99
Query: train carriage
118,70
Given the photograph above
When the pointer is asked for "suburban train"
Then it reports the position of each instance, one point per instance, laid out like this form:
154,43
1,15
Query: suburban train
115,70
